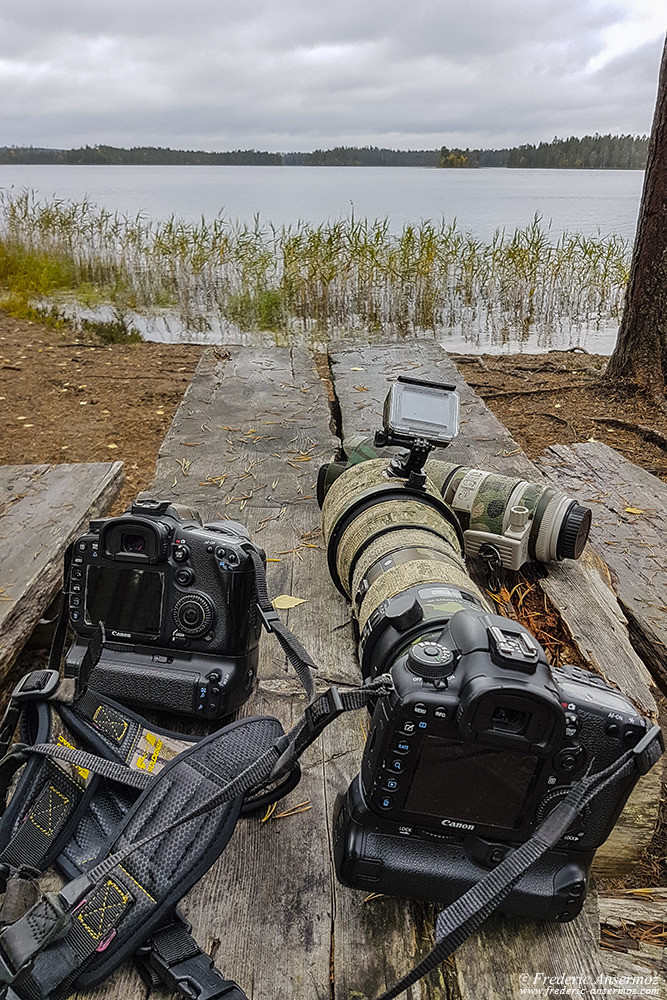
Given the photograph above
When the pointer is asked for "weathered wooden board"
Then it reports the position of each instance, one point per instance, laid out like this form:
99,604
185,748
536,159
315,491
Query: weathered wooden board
42,508
485,965
271,909
629,532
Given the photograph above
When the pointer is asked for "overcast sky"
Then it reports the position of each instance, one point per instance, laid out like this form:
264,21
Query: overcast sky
296,75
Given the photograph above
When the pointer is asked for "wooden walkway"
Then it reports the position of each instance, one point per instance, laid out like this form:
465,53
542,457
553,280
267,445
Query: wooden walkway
42,508
246,443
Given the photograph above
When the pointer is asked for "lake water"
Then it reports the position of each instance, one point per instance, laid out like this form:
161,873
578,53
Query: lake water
592,202
587,201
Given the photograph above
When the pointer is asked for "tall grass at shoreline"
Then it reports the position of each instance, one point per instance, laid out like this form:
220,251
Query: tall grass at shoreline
306,278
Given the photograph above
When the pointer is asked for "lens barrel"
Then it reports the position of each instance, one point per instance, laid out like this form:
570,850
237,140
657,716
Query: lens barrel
386,539
483,501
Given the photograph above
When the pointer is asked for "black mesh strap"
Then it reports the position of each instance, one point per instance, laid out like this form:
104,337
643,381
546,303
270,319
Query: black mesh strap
467,913
296,654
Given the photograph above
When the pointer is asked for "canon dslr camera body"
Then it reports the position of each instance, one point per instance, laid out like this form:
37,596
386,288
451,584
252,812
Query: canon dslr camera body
178,604
479,742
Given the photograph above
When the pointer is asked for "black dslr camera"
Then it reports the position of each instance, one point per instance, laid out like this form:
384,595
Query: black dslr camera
481,739
178,602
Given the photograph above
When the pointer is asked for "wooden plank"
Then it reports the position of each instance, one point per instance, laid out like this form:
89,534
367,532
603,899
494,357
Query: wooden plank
629,532
617,910
508,955
270,909
42,508
631,975
490,964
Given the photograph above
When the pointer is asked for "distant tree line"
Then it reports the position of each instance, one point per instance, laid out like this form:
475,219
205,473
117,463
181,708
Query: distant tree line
592,152
601,152
367,156
113,155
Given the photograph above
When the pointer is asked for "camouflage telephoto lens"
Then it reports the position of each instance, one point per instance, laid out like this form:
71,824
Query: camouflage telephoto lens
397,554
484,503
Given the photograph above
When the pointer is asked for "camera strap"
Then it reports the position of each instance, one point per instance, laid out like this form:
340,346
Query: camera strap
174,831
295,652
466,914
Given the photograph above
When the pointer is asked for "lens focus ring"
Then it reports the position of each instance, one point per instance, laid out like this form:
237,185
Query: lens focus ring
193,614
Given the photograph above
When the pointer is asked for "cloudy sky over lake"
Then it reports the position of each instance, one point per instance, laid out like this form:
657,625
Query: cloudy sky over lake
297,76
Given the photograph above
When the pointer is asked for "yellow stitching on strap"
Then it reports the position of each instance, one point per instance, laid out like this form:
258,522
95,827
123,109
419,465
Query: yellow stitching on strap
133,879
110,722
49,810
103,912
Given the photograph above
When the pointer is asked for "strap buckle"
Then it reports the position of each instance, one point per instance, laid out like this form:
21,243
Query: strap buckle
196,978
332,709
27,688
649,750
269,618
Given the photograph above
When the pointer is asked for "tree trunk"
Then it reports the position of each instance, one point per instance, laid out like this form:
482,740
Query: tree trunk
640,354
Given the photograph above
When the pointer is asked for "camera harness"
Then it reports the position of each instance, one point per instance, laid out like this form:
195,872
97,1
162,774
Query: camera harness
134,815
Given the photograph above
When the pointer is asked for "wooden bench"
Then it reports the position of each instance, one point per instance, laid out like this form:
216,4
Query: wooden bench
42,508
246,443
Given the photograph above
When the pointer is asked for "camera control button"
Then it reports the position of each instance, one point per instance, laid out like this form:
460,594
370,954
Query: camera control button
181,641
419,708
397,766
181,553
613,729
570,759
403,612
82,546
402,747
386,802
184,576
440,712
74,602
74,615
390,783
408,727
77,573
631,735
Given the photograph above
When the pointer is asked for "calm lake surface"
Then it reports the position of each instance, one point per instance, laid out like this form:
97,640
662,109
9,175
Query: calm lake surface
591,202
587,201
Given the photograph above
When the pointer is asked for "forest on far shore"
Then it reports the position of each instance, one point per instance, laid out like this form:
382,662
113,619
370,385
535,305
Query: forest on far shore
591,152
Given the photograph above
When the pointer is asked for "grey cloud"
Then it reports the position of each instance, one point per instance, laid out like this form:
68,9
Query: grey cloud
296,76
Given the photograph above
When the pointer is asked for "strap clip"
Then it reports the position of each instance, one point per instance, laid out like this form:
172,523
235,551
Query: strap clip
196,978
269,618
37,685
649,750
332,709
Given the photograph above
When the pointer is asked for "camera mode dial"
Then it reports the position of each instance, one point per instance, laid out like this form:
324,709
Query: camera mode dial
430,660
193,614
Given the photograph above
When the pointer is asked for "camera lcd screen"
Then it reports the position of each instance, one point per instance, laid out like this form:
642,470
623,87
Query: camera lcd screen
470,783
125,598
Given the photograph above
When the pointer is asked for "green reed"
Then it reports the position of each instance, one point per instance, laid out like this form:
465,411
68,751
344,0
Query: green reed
349,274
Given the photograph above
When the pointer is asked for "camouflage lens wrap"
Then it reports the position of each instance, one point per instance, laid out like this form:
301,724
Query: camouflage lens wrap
411,544
420,572
442,549
483,501
368,480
